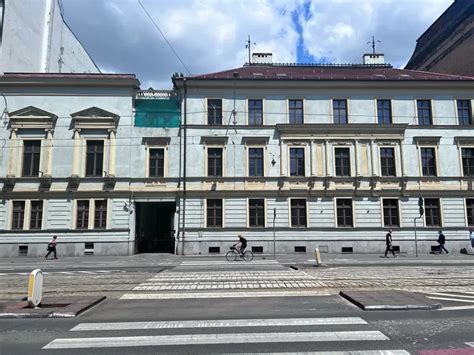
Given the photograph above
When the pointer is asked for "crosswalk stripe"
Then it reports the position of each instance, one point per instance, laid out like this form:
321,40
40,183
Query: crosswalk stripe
445,294
471,344
449,299
224,262
356,352
249,294
201,339
228,323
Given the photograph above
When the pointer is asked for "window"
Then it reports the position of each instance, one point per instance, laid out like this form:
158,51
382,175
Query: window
344,212
424,112
384,112
214,112
82,221
18,214
214,162
31,158
255,108
297,162
387,161
470,211
342,161
100,218
95,157
467,161
339,108
390,212
255,161
214,213
296,111
36,214
298,213
256,213
428,161
432,212
156,162
464,112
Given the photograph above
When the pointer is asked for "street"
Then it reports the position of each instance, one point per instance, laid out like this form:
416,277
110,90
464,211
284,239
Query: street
204,305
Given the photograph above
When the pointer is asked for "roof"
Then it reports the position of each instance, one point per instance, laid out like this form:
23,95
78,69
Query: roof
351,72
69,75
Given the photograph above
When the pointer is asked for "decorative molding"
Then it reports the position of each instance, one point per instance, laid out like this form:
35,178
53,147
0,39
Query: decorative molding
214,140
250,140
94,118
32,117
159,141
464,140
423,140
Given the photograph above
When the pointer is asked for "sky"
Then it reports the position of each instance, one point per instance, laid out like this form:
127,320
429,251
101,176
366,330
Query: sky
210,35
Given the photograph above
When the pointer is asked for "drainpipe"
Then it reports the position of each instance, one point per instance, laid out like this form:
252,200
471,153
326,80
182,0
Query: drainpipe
183,228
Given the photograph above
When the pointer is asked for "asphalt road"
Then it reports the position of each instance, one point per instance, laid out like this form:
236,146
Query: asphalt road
269,325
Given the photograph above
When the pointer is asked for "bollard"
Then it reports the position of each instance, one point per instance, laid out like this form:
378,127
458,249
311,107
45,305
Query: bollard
317,256
35,288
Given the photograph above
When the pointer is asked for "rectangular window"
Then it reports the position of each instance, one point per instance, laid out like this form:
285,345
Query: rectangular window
255,108
390,212
214,112
257,212
82,221
95,158
31,158
387,161
342,161
36,214
297,162
298,212
384,112
344,212
18,215
464,112
214,162
156,162
424,112
255,161
296,111
214,213
428,161
339,109
470,211
432,212
467,161
100,218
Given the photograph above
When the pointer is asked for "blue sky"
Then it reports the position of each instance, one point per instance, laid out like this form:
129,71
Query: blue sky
210,35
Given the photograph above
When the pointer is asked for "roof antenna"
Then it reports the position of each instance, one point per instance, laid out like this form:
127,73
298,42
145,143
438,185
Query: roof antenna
248,45
373,42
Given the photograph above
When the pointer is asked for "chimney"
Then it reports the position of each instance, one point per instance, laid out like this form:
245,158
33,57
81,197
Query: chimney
262,58
373,58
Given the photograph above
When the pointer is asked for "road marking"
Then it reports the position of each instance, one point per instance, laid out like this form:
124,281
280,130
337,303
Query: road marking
356,352
471,344
455,308
189,295
450,299
200,339
228,323
443,294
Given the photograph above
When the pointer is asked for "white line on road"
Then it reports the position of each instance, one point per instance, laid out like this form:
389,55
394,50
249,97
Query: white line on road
470,344
443,294
449,299
199,339
355,352
189,295
228,323
456,308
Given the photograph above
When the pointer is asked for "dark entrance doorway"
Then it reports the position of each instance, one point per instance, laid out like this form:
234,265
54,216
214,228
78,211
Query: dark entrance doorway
154,227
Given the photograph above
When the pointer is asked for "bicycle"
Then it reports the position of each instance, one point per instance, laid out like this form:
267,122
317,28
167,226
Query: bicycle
232,255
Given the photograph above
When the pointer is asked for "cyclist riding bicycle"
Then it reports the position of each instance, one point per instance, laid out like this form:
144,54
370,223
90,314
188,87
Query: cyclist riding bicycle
241,245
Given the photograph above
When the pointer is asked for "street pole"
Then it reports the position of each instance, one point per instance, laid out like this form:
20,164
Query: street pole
274,239
422,211
416,240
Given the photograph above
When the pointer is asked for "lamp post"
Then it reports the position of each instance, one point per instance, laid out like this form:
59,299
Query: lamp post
274,239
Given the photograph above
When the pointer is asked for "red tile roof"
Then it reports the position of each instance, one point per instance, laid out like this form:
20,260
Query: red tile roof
357,72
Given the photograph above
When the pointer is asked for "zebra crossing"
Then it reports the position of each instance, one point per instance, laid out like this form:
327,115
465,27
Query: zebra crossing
72,272
453,300
309,332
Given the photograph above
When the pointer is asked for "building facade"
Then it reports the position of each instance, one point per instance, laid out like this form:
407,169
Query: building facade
296,157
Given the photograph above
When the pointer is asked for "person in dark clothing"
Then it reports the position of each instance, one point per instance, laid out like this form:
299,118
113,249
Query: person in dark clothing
241,245
442,241
388,242
52,247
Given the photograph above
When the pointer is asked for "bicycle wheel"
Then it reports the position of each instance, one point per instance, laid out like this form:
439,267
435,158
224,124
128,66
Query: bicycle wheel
248,255
231,255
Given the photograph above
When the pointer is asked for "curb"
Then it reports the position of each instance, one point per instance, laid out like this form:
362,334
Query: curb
390,307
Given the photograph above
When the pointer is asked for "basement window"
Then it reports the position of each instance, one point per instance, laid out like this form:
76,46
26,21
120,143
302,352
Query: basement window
300,249
214,250
257,250
88,248
23,250
347,250
396,248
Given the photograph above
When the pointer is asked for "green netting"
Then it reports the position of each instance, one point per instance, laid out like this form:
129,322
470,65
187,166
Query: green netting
157,113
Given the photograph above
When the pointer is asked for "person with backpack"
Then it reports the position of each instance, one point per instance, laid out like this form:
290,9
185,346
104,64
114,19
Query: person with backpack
52,247
441,242
388,242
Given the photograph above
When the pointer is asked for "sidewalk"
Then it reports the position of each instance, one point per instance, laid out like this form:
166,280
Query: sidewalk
168,260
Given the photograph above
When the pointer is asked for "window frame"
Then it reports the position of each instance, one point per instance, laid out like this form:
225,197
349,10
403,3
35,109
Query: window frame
469,216
430,109
35,158
95,173
299,215
429,212
263,211
352,219
157,148
21,213
215,118
386,172
249,165
469,167
336,148
390,112
249,113
221,161
36,216
469,111
397,216
435,164
295,111
333,110
82,214
303,165
103,214
221,213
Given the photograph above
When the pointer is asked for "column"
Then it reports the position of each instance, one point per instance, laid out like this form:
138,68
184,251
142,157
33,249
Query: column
327,147
356,156
402,159
48,153
112,142
373,148
312,155
76,154
13,153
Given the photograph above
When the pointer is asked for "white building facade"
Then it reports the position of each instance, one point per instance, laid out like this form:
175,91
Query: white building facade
297,157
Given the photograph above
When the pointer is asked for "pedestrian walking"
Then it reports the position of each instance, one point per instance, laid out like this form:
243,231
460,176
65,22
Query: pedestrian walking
388,241
52,247
442,241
